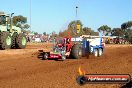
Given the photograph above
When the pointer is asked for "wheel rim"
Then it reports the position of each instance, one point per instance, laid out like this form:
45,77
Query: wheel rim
23,41
8,40
46,56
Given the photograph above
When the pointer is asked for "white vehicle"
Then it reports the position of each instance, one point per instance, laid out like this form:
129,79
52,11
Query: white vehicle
96,44
37,40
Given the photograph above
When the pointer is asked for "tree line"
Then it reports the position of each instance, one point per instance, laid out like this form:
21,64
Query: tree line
72,30
124,31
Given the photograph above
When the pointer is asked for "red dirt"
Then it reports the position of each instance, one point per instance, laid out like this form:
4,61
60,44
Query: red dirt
20,68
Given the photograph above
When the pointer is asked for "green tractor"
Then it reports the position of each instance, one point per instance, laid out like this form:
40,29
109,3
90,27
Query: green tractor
10,36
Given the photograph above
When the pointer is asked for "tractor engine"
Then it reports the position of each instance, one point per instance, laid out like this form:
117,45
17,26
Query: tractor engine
60,47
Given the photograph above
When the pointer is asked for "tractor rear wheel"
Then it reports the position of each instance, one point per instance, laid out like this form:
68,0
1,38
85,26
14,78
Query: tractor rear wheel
21,41
76,51
5,40
14,36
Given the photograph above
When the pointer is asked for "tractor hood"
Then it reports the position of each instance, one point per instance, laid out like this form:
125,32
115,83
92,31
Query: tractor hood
17,29
3,28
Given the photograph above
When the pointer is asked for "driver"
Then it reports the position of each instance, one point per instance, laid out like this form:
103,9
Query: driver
67,41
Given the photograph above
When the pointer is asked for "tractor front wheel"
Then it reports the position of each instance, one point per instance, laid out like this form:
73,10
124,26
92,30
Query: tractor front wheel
21,41
14,36
5,40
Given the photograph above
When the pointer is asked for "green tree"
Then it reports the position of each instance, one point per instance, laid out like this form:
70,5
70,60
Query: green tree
26,31
19,20
117,32
105,29
63,33
89,31
44,33
127,25
26,26
127,28
23,26
35,33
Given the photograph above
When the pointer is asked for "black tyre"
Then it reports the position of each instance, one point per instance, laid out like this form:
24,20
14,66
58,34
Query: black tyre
96,52
5,40
100,52
14,36
45,56
21,41
76,51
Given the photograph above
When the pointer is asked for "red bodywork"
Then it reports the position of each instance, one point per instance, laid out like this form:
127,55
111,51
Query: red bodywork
66,43
57,56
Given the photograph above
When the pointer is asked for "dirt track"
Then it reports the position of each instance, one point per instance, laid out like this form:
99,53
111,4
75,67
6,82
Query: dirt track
22,68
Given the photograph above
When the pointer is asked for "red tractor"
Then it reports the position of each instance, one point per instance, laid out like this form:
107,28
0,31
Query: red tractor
62,49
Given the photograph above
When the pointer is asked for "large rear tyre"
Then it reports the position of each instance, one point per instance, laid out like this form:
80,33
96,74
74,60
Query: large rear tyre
21,41
14,36
5,40
76,51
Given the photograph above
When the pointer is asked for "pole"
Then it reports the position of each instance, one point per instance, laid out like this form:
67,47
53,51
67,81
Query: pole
76,20
11,23
76,12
